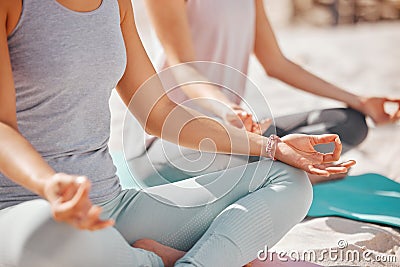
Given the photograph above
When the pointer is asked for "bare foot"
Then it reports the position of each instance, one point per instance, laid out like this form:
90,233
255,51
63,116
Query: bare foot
168,255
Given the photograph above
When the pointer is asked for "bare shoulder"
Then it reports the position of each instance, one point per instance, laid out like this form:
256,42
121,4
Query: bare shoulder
10,12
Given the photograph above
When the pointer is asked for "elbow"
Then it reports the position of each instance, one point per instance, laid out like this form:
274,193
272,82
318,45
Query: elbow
272,71
9,124
152,127
151,130
154,123
152,116
276,68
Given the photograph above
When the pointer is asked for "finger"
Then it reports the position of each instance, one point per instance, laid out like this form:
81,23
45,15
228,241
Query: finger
265,124
348,164
383,119
101,225
59,183
324,138
98,225
91,218
69,192
242,115
335,155
336,169
235,121
81,196
94,222
313,170
393,100
256,129
248,122
64,210
396,116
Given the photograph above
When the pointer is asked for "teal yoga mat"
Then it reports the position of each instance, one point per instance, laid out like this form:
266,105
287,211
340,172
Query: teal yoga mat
368,197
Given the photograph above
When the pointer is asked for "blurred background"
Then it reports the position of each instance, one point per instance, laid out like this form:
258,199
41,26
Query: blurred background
337,12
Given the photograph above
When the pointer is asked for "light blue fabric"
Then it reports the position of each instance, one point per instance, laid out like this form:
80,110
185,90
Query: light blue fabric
127,180
369,197
221,219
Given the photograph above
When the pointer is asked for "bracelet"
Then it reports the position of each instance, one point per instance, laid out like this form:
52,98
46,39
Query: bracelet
271,146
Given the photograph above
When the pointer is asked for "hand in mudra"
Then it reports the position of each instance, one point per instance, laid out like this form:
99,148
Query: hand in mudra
374,107
68,196
298,150
243,119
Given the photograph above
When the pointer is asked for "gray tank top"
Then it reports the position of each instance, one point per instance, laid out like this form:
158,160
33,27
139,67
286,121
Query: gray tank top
65,65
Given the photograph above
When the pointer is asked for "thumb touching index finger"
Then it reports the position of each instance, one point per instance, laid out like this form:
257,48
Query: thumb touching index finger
326,138
81,195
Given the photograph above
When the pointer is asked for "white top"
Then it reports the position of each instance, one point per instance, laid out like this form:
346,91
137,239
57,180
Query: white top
222,31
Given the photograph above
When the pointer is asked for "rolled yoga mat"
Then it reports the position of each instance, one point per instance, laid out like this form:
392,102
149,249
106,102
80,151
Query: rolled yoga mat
368,197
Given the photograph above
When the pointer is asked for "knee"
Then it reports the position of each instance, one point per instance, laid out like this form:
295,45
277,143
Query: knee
355,129
299,190
357,119
302,190
27,242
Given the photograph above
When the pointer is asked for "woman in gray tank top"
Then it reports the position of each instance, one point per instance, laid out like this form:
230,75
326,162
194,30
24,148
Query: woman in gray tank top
59,62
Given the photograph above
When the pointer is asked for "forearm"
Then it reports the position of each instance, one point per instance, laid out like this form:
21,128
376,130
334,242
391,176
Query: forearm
188,128
300,78
276,65
20,162
199,89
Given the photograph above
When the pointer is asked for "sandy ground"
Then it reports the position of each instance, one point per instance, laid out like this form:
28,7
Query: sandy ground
364,59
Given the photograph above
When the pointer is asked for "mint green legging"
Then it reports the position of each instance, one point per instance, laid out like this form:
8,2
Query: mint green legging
221,219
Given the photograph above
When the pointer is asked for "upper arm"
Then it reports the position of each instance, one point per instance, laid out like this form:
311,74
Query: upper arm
266,47
7,89
172,27
145,97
